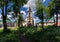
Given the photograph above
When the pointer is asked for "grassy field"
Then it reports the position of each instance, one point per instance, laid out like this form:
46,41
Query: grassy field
49,34
9,36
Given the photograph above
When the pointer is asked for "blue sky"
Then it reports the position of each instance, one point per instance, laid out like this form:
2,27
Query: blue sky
30,3
24,9
0,11
46,2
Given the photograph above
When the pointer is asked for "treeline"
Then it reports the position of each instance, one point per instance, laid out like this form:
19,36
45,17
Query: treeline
4,5
50,10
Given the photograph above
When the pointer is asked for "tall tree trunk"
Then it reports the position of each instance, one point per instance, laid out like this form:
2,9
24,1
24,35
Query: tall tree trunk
56,19
4,20
4,16
42,23
5,24
46,22
19,21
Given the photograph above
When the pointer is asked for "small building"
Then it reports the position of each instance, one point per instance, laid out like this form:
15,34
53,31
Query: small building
9,23
51,21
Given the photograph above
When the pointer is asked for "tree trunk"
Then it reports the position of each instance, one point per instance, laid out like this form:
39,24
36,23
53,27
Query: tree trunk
56,19
19,22
42,23
4,20
46,22
5,24
4,16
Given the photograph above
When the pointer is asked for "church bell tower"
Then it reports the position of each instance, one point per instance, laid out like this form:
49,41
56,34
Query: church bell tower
29,18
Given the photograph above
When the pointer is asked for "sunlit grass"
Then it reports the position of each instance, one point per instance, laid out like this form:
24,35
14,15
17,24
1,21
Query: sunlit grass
11,36
1,29
13,28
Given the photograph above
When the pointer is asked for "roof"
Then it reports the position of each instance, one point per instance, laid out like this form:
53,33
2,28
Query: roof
51,18
8,20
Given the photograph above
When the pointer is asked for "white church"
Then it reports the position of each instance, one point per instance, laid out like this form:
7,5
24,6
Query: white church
29,19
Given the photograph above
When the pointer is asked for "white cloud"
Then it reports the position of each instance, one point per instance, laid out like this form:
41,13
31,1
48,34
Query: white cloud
26,6
33,12
31,4
0,15
11,12
44,1
9,16
23,12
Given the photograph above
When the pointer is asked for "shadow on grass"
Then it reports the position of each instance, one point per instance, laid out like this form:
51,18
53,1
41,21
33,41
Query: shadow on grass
10,36
49,34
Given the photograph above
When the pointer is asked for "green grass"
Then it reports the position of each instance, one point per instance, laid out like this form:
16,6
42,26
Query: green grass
49,34
9,36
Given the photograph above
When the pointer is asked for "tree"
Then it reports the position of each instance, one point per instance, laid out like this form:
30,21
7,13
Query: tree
57,6
54,8
47,13
4,16
39,12
16,8
4,8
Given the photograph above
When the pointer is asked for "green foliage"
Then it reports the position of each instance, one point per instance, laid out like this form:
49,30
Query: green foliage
1,3
17,5
49,34
8,36
47,13
39,12
16,8
54,8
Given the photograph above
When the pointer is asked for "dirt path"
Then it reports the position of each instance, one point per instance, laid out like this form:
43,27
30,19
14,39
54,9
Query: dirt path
23,38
